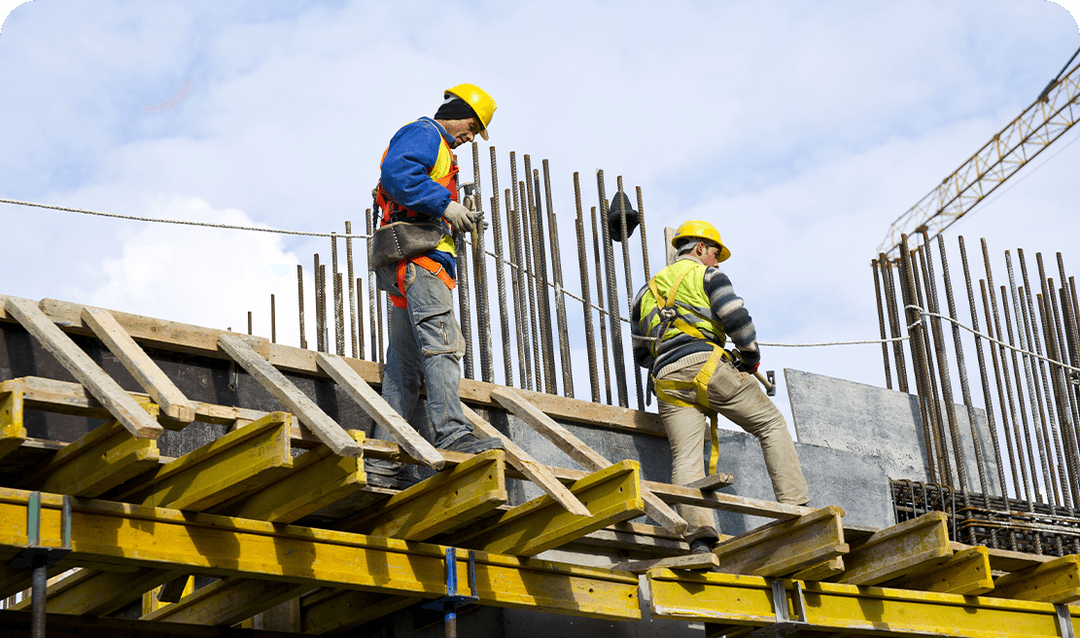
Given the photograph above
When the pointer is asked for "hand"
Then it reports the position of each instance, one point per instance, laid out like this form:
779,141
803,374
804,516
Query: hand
460,218
743,366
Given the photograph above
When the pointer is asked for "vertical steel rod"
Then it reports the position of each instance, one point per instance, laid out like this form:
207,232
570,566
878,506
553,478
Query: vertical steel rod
627,276
339,315
464,305
352,289
480,289
325,310
318,307
613,295
894,320
543,315
523,282
38,584
273,320
934,406
518,292
300,303
527,213
586,305
915,341
600,307
249,322
560,300
1023,436
500,277
360,317
644,243
373,298
881,325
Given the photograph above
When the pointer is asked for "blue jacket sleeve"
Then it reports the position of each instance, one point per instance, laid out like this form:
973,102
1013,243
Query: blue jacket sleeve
411,154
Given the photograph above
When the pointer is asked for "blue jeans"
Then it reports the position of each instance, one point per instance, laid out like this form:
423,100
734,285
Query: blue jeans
425,345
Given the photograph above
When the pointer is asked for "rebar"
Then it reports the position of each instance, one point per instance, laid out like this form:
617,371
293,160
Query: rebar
249,322
352,289
373,298
273,320
600,307
500,277
941,449
464,305
518,291
339,318
325,310
483,323
318,308
360,317
627,276
530,286
522,311
586,295
613,295
881,325
894,321
560,300
1001,373
543,313
1023,435
644,243
1062,434
300,303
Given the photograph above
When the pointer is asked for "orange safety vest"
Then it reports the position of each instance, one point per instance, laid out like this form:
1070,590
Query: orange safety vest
447,178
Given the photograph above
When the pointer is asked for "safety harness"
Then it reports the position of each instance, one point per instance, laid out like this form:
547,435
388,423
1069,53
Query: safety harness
671,318
428,264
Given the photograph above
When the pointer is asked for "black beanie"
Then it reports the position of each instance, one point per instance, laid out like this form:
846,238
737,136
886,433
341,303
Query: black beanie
455,108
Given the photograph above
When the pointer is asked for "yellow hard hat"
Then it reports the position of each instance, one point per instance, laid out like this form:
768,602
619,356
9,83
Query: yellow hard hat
700,230
482,104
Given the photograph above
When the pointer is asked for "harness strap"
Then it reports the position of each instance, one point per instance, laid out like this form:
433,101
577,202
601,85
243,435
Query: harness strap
428,264
700,383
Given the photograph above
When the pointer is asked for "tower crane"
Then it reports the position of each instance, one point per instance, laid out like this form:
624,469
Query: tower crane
1046,120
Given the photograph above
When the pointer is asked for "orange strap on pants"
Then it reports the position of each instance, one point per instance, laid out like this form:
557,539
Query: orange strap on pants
428,264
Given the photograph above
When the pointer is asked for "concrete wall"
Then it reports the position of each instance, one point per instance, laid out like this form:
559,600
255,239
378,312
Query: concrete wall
886,424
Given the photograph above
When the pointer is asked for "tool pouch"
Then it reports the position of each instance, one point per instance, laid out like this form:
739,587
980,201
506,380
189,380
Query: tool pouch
401,240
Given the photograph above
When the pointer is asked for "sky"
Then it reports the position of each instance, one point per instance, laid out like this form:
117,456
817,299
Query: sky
802,130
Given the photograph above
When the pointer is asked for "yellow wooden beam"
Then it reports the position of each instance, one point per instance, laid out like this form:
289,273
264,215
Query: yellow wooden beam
833,608
138,536
1057,581
99,461
785,547
318,478
894,552
226,602
12,429
612,494
967,572
449,500
243,459
97,593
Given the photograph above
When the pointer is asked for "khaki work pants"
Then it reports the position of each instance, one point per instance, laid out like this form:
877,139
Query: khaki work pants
738,397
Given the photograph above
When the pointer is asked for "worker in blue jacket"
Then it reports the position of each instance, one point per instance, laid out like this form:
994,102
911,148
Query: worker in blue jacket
418,197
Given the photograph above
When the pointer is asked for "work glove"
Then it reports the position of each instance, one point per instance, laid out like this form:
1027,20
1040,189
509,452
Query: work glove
460,218
741,364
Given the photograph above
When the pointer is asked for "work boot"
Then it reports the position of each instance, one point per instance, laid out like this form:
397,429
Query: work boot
469,444
387,474
703,545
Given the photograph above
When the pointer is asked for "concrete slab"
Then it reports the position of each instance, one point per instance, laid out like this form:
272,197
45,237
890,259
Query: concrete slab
873,421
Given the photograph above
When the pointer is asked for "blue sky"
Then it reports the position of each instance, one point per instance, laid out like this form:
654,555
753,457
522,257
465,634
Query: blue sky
802,130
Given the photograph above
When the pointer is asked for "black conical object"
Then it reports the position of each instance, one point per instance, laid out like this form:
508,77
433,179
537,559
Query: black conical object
614,221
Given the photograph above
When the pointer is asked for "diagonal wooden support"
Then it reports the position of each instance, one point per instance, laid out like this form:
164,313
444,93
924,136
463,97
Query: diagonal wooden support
612,494
246,458
99,461
379,410
1057,581
785,547
290,396
447,501
106,390
897,551
966,573
174,405
527,465
318,478
12,429
582,453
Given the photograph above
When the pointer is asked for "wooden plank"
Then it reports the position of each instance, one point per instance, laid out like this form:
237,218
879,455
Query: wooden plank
967,572
582,453
713,482
527,465
1057,582
447,501
290,396
12,429
785,547
252,456
97,462
227,602
174,404
318,478
107,391
379,410
692,562
822,571
639,538
180,337
897,551
612,494
1003,560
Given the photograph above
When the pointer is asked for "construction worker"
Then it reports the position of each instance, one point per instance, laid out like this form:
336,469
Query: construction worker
418,199
681,320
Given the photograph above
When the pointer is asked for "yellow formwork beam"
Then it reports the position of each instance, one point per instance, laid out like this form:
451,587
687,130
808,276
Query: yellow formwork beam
839,609
967,572
12,429
226,602
784,547
909,547
1057,581
612,494
97,593
138,536
449,500
99,461
318,478
248,457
